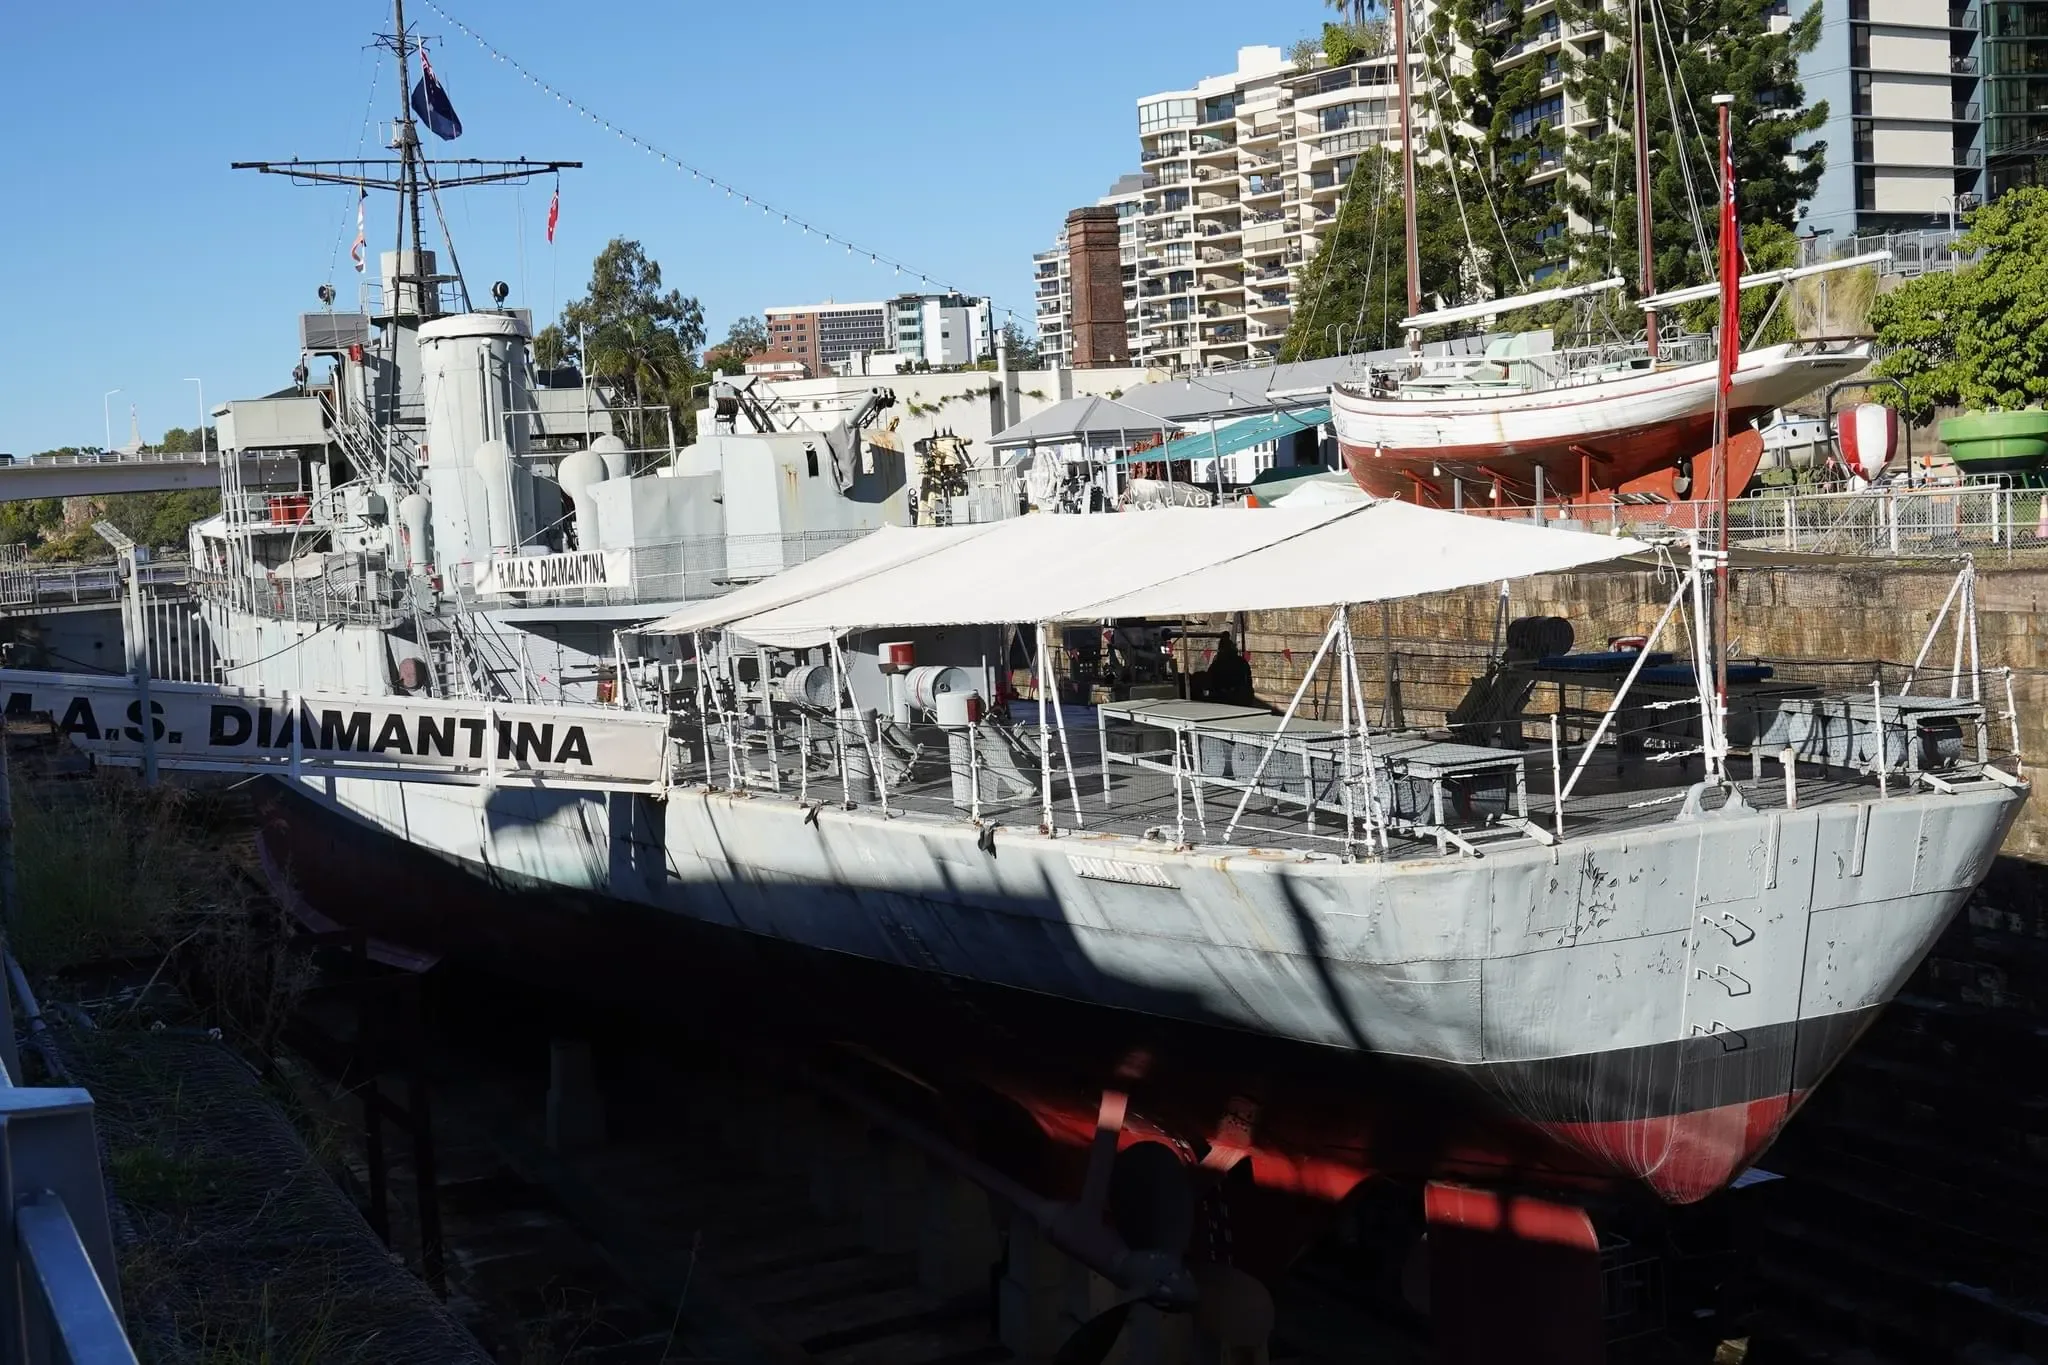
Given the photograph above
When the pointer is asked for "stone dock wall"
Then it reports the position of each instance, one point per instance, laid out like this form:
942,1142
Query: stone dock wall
1853,618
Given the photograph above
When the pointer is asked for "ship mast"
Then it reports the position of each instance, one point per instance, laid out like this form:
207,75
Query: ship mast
408,170
1407,160
1645,247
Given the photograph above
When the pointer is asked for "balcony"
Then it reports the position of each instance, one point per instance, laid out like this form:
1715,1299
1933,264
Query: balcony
1969,113
1218,230
1962,16
1962,66
1219,284
1165,151
1968,157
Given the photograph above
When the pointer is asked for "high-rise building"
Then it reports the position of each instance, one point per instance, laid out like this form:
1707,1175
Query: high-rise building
1241,178
1907,99
2013,52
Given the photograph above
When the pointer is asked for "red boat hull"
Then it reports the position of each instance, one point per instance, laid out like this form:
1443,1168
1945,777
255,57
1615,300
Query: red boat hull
1590,472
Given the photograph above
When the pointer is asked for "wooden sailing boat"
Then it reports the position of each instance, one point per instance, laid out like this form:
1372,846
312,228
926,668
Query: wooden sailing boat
1513,428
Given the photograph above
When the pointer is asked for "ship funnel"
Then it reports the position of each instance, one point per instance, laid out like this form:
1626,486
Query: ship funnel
579,472
610,449
470,366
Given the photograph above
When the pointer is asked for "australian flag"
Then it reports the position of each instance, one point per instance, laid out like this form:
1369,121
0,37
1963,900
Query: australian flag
431,103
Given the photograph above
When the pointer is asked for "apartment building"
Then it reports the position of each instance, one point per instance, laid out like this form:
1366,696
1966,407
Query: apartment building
822,335
2013,56
1904,84
1248,172
1241,177
939,329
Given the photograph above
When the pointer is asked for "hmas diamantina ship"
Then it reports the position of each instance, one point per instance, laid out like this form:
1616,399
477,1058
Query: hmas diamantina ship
1300,948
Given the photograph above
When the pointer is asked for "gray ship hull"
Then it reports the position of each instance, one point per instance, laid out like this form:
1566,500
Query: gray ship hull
1645,1006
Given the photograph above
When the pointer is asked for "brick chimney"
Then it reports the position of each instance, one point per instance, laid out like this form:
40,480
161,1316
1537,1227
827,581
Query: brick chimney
1097,280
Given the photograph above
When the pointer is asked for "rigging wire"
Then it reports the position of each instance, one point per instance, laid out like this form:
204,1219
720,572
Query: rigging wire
1443,70
749,200
1451,166
1709,148
1659,44
1372,247
362,139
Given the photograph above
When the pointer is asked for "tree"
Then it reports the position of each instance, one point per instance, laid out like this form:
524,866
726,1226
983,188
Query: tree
746,338
1695,49
633,336
1022,346
1358,279
1975,337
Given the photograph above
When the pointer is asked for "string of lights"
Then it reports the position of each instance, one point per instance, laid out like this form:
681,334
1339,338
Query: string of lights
697,173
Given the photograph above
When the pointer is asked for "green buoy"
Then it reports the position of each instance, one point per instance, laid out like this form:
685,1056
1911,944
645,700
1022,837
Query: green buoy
1998,442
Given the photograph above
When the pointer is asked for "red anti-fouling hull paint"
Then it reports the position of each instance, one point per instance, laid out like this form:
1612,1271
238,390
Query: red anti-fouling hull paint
1685,1157
1315,1121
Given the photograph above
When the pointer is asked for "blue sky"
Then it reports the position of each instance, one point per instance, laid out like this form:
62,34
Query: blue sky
953,137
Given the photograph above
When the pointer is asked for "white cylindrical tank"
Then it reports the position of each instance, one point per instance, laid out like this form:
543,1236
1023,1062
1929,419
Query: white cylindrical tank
807,685
414,512
926,684
610,449
494,466
578,473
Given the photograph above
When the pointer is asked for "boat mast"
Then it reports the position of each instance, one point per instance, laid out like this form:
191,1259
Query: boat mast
1730,357
408,172
1645,248
1407,161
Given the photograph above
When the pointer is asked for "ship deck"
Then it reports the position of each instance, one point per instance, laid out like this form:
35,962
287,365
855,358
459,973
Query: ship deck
1616,792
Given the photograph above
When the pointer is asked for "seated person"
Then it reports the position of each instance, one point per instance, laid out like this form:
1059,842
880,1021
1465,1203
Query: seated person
1230,675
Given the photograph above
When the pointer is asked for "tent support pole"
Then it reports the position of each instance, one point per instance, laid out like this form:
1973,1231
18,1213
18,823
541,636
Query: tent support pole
1039,669
1059,715
1293,705
703,704
1344,734
1375,812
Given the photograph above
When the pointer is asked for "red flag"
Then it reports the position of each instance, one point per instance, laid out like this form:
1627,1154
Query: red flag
554,212
1731,264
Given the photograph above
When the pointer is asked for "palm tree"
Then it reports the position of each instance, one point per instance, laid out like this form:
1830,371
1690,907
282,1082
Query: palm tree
1367,20
647,362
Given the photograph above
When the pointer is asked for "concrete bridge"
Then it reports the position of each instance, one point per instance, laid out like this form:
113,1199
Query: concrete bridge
76,476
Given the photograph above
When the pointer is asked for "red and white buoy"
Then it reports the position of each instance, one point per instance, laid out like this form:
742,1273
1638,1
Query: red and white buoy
1868,436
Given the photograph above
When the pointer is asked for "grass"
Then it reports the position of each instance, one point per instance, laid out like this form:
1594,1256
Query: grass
236,1246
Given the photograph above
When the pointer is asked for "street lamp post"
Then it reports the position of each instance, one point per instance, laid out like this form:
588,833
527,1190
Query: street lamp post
202,415
107,416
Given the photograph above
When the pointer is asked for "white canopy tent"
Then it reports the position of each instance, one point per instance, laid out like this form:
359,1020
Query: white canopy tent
1035,568
889,548
1377,552
1173,562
